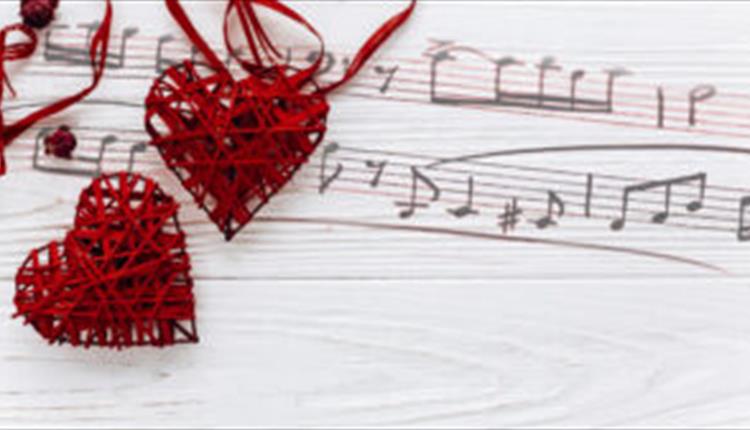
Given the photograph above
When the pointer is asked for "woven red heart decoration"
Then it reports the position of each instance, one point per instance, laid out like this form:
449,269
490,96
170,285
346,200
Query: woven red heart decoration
234,143
120,278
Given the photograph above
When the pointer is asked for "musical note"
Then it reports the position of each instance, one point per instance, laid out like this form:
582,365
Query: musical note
699,94
589,195
660,108
325,180
613,74
411,206
743,231
390,74
137,148
466,209
380,166
547,63
75,160
80,56
499,66
555,209
662,216
510,217
162,62
575,76
55,52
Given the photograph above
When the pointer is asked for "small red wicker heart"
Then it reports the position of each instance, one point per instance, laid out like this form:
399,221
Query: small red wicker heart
233,143
120,278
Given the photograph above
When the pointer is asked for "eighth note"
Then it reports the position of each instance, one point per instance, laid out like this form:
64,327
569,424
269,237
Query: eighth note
412,204
555,209
662,216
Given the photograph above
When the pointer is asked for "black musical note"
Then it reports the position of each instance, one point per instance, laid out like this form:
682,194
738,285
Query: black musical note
499,66
575,76
437,58
467,208
327,180
162,62
75,160
555,209
411,206
390,74
613,74
55,52
659,107
547,64
699,94
380,166
137,148
743,231
589,195
80,56
510,217
667,184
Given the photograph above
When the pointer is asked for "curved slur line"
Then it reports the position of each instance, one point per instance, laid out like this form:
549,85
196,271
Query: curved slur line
497,237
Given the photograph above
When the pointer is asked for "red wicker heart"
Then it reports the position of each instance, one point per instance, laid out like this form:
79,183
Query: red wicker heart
120,278
233,144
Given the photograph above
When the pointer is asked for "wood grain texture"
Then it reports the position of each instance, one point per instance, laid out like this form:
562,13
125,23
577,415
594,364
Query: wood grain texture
330,310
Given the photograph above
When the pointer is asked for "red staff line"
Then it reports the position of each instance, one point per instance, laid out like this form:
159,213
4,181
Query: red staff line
529,79
186,50
500,109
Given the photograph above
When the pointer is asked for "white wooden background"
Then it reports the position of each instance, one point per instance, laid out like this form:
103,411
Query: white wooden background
329,310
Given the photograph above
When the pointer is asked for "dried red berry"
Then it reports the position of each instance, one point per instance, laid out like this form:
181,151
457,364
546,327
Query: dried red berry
61,143
38,13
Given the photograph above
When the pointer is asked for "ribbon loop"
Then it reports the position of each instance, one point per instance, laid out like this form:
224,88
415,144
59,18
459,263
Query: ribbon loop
262,48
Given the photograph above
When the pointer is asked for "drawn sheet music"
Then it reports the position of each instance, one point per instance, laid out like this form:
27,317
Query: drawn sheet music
523,214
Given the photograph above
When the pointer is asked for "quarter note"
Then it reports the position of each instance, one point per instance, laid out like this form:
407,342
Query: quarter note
468,208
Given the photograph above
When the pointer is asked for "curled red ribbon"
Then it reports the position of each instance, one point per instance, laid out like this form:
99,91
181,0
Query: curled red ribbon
258,40
17,51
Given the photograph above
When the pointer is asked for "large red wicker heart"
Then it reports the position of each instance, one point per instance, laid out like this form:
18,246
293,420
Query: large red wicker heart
120,278
233,143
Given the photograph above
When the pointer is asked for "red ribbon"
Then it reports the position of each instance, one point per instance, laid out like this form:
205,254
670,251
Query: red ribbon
97,53
259,42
